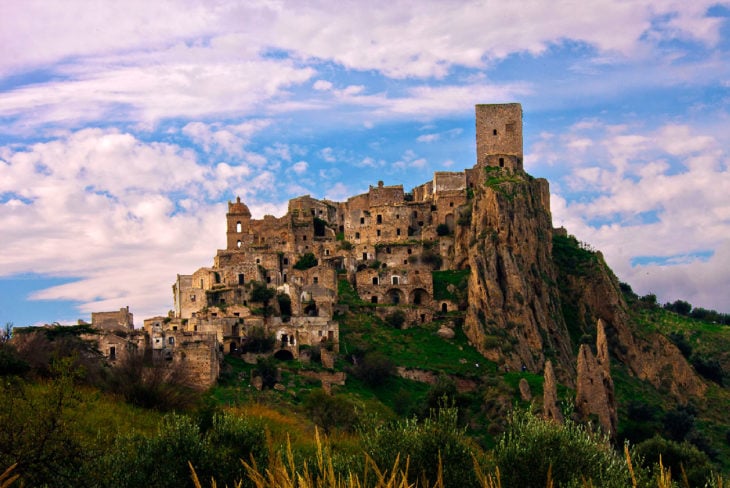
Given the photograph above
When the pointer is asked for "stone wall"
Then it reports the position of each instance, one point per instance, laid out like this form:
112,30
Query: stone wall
121,320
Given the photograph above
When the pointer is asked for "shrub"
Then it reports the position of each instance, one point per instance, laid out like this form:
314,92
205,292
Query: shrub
423,446
374,368
442,230
330,411
267,369
308,260
258,341
677,457
396,319
532,447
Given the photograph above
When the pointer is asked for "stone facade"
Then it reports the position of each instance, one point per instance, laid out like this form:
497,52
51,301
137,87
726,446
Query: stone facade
120,321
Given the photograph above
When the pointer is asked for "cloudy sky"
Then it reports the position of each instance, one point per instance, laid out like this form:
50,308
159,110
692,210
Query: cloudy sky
125,127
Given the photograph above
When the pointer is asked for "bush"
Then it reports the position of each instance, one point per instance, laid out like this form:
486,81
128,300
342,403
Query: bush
308,260
531,447
258,341
330,411
423,445
374,368
396,319
677,457
710,368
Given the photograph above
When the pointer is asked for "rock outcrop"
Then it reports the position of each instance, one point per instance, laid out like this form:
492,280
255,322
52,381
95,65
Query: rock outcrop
595,393
514,314
550,408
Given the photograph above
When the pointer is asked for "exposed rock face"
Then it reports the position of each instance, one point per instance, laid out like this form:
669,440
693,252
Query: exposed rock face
550,408
514,314
590,291
595,394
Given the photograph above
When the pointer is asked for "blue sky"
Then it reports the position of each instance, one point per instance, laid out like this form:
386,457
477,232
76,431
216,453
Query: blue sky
125,127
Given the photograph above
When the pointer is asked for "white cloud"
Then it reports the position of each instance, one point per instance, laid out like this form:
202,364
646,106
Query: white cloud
123,215
300,167
322,85
651,205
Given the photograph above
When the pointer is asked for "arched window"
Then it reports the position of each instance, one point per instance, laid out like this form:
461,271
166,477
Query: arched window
239,244
238,226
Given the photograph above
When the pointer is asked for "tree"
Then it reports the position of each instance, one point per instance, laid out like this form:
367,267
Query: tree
330,411
261,293
38,428
396,319
6,333
443,230
374,368
531,447
308,260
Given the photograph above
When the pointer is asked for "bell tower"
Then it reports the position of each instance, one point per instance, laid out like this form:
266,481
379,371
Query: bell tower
238,221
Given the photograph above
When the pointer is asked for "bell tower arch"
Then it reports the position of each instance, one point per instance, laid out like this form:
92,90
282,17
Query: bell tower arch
238,221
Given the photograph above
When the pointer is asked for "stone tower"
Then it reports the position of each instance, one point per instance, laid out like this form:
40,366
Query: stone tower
238,221
499,135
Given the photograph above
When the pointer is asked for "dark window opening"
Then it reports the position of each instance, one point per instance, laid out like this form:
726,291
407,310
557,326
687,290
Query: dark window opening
240,278
423,318
494,132
315,280
373,299
357,235
379,219
378,232
375,280
444,308
365,256
362,220
112,353
387,250
501,162
395,280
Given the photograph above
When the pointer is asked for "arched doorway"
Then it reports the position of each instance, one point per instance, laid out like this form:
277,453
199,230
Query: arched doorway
283,355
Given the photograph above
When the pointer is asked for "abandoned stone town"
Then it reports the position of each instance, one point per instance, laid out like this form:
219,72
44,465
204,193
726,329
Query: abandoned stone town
285,280
386,242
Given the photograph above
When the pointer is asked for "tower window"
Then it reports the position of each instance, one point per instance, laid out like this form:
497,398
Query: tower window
362,220
379,219
501,162
238,226
238,244
494,132
397,232
378,232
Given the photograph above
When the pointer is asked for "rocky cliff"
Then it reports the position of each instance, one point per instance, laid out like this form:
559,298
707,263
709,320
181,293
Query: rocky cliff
514,315
535,293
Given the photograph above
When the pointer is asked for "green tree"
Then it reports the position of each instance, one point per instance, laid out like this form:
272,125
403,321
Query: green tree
330,411
437,439
306,261
38,428
531,447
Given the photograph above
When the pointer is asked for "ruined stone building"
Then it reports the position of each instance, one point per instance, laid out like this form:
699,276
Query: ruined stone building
385,243
281,275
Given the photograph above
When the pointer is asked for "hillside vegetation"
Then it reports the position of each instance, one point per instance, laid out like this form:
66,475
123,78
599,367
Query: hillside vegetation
463,423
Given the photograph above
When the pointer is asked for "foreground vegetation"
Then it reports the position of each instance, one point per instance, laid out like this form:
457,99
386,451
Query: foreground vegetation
69,420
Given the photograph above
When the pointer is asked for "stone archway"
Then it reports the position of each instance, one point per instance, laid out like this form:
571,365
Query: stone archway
419,296
284,355
396,296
